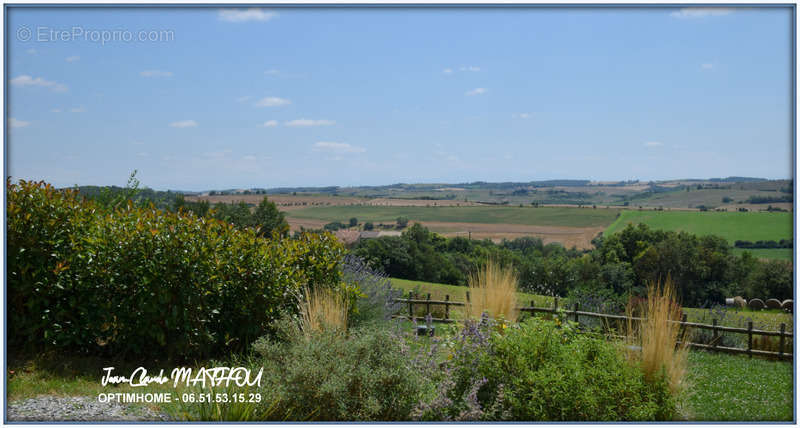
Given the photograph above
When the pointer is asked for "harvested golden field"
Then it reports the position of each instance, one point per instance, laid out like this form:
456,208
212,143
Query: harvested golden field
580,237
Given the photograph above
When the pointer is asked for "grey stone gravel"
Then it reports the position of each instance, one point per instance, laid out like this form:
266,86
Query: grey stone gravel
54,408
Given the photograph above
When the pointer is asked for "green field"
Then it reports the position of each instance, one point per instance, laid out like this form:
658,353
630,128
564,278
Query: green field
543,216
767,253
749,226
458,292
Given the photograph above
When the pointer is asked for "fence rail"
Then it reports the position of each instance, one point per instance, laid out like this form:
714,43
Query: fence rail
576,313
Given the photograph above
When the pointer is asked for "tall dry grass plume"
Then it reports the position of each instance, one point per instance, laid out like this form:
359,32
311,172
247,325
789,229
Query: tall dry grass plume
493,289
658,337
323,309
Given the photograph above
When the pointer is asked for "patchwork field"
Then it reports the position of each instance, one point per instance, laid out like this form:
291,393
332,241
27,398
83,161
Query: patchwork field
570,226
750,226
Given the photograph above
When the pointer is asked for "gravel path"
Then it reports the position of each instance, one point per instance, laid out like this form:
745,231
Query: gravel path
53,408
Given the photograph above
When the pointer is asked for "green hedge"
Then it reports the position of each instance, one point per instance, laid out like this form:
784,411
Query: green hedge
147,282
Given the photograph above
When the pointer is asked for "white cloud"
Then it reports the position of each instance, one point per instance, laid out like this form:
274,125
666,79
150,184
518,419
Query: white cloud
653,144
477,91
80,109
327,146
706,66
56,110
522,115
310,122
447,71
72,58
25,80
269,124
183,124
701,12
272,102
272,72
245,15
249,157
14,123
155,73
471,68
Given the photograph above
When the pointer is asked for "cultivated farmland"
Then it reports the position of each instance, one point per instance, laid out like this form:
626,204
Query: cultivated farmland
570,226
733,226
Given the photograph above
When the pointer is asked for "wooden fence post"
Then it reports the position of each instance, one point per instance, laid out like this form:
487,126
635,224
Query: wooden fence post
447,307
467,296
682,334
750,338
555,304
783,331
428,306
714,337
410,305
576,306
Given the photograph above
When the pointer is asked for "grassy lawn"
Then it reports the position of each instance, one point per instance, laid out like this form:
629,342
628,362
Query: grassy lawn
750,226
737,388
458,293
545,216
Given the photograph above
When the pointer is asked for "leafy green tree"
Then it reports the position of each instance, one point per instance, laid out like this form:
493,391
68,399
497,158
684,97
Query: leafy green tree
353,222
268,219
369,226
402,222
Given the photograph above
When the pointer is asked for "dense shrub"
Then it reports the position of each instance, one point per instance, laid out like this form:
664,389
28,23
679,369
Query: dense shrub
543,371
369,375
147,282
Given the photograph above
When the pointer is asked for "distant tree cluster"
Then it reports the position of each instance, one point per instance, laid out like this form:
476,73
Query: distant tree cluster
704,268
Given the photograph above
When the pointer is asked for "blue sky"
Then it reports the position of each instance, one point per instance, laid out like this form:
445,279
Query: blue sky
232,98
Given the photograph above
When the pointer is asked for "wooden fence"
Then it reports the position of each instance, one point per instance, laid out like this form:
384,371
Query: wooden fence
576,313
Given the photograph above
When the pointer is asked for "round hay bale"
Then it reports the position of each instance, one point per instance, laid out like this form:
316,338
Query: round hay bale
729,301
756,304
773,303
739,302
787,305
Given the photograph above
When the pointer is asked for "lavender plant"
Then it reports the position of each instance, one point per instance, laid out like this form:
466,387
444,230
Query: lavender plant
377,297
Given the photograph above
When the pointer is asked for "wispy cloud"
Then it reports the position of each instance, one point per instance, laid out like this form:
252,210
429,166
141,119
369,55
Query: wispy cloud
522,115
15,123
56,110
477,91
269,124
143,154
463,68
25,80
73,58
327,146
653,144
80,109
155,73
701,12
706,66
272,102
244,98
246,15
184,124
310,122
272,72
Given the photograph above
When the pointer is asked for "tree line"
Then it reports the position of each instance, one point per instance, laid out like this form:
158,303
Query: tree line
704,267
